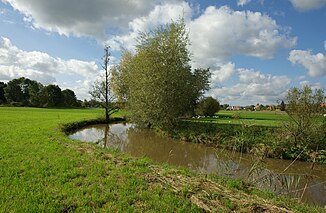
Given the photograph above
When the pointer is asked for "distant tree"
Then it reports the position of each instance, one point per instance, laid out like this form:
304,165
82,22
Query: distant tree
224,106
307,126
52,96
69,97
34,93
282,106
207,106
17,91
161,86
91,103
2,92
102,90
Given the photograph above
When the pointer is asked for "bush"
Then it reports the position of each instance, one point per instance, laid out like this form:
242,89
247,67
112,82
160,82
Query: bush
207,106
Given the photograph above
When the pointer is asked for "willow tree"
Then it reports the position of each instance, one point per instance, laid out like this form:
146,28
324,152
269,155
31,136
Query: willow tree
307,126
160,84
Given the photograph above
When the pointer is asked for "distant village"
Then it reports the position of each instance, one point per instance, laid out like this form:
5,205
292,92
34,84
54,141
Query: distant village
257,107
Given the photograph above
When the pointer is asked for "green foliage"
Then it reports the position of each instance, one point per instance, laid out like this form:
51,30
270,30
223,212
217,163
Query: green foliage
207,106
160,86
2,93
52,96
259,133
26,92
120,76
35,97
17,91
69,97
307,125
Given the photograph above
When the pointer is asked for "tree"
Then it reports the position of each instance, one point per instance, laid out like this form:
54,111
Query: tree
282,106
34,92
52,96
304,107
17,91
207,106
120,74
225,106
69,97
102,90
2,93
160,85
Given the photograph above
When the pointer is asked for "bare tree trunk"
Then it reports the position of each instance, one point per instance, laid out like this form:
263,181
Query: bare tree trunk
106,61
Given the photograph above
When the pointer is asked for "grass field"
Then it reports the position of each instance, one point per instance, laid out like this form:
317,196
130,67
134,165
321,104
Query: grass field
42,170
258,118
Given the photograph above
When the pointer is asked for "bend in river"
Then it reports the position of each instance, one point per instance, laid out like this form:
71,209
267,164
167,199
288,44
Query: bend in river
297,180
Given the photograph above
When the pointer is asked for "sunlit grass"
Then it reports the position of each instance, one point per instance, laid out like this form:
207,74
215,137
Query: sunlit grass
42,170
257,118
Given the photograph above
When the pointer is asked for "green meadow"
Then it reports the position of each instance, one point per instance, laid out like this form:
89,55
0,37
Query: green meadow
42,170
257,118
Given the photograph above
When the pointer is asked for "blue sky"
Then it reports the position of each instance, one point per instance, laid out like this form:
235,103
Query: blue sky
256,49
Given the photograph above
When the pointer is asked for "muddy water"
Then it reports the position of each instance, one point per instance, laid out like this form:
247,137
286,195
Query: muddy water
280,176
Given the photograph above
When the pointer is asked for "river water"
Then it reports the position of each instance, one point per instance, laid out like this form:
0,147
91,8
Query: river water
280,176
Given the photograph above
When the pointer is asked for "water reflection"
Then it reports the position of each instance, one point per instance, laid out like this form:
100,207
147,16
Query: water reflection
298,180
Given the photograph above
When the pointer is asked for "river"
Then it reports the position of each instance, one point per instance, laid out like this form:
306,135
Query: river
280,176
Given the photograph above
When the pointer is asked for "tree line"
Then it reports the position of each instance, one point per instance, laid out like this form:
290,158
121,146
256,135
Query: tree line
25,92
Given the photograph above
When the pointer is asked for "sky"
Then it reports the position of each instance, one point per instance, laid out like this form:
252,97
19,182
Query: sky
256,49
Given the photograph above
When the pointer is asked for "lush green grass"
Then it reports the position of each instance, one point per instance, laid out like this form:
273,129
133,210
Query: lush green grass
41,170
264,133
256,115
258,118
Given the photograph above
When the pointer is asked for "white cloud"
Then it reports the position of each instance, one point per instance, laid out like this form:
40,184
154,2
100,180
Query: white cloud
160,15
312,85
8,73
305,5
222,74
83,17
325,45
253,87
243,2
15,63
222,32
315,64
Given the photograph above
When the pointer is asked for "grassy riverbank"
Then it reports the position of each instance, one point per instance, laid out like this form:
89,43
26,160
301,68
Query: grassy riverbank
41,170
264,133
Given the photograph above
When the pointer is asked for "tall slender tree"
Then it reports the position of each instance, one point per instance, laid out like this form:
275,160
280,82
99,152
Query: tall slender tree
102,91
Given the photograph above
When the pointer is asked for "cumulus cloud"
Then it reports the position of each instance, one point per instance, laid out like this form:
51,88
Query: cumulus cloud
253,87
312,85
222,74
160,15
243,2
15,63
222,32
81,17
325,45
305,5
315,64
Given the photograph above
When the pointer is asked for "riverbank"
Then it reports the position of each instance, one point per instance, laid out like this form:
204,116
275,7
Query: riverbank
265,134
43,170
